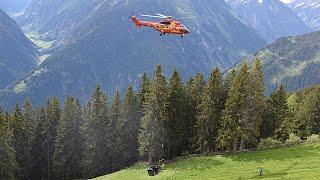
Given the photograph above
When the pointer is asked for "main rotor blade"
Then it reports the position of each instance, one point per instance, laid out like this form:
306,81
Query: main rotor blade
144,15
163,16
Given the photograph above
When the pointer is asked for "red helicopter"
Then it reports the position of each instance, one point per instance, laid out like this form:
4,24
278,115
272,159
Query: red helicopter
168,25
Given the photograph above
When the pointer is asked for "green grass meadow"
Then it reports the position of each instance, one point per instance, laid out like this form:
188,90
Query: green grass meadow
298,162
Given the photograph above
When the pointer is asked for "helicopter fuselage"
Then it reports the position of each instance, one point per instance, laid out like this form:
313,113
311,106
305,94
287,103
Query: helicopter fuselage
166,26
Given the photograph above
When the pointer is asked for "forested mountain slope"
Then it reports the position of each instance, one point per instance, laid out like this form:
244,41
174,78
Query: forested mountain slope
293,61
17,53
101,45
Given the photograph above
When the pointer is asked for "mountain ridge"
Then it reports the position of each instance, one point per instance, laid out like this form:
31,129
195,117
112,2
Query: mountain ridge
308,11
272,18
17,54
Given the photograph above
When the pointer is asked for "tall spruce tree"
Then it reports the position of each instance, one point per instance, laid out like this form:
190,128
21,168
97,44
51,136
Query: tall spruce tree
68,145
95,160
143,91
267,127
255,106
29,114
175,123
307,118
227,83
209,113
152,135
280,117
194,91
21,135
29,118
52,119
277,120
39,148
113,133
129,125
7,153
233,132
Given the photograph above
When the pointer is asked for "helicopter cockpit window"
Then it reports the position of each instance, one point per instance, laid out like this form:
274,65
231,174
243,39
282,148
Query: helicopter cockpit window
165,22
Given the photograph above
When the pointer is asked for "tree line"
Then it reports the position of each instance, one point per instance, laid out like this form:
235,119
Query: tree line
163,119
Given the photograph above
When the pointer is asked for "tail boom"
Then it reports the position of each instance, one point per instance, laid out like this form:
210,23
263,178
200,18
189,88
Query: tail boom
136,21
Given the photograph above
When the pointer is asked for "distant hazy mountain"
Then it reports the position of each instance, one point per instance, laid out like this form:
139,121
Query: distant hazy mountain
14,6
308,10
101,45
55,19
292,61
271,18
17,53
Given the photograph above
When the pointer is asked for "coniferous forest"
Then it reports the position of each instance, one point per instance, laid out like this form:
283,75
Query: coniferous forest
163,119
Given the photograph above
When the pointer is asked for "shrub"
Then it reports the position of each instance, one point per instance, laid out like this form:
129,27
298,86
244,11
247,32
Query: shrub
293,140
313,138
269,143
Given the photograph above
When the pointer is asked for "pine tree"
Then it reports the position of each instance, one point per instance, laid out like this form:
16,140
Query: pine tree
29,118
307,120
7,153
20,140
280,114
129,129
52,119
194,91
315,121
95,160
267,128
68,145
227,83
28,114
151,138
209,113
256,104
39,149
175,123
143,91
235,119
113,132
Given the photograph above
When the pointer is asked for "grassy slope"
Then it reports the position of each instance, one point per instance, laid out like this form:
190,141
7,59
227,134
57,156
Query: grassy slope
300,162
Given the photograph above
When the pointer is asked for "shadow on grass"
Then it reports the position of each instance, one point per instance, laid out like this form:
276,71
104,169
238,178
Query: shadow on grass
295,152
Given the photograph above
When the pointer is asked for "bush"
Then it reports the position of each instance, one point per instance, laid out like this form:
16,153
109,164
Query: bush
314,138
269,143
293,140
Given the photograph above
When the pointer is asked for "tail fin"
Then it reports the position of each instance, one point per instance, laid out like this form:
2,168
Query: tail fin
136,21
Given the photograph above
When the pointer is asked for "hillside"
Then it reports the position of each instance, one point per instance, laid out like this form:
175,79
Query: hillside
271,18
53,21
293,61
17,53
300,162
102,46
